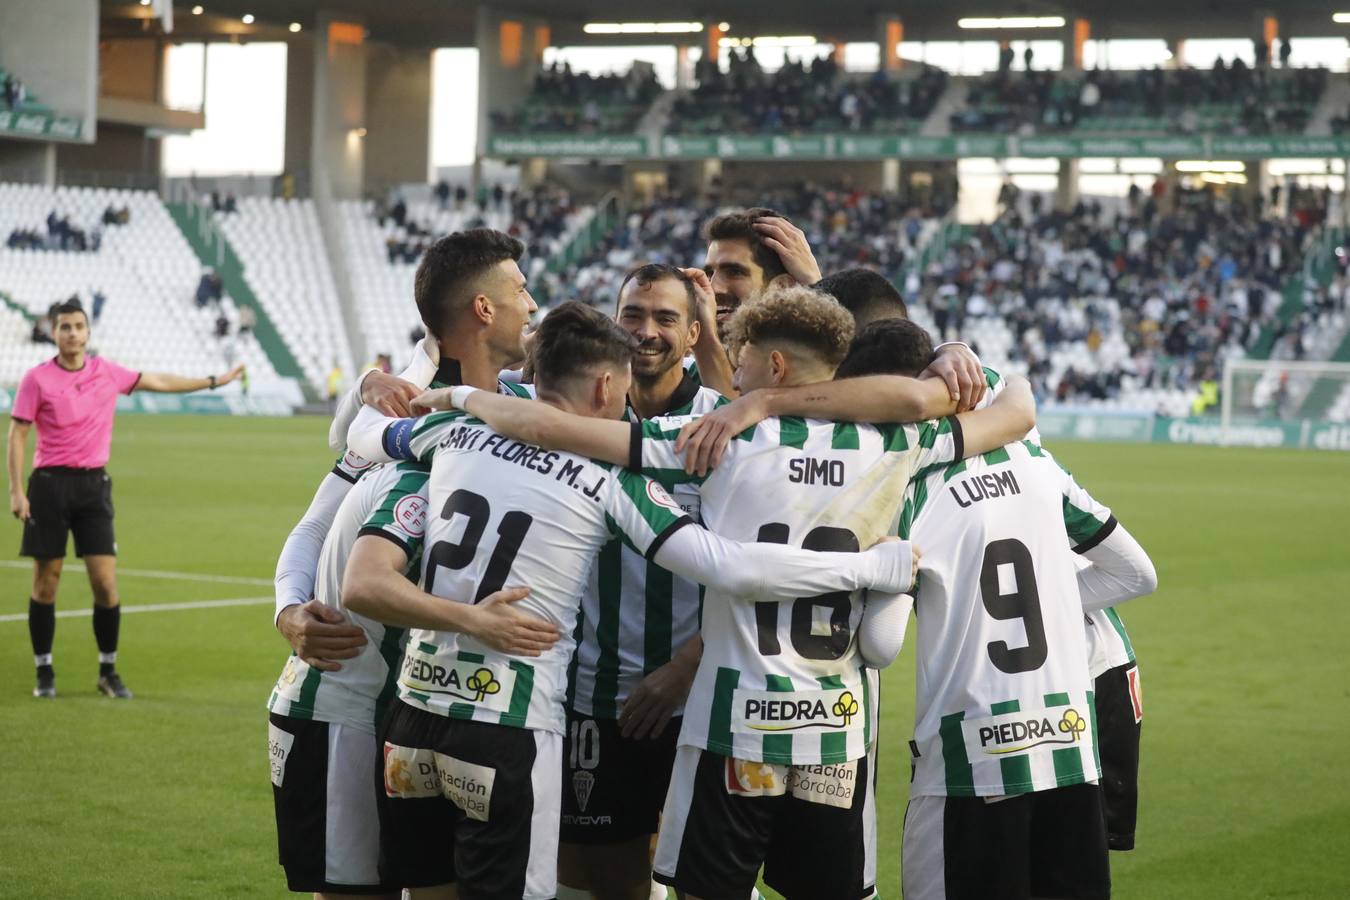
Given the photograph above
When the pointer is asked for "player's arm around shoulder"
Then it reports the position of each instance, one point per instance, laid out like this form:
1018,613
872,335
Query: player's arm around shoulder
1008,418
537,423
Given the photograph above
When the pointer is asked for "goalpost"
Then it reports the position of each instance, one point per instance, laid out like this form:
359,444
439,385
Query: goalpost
1266,390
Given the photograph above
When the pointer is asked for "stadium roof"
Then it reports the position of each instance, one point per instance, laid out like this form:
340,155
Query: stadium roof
446,23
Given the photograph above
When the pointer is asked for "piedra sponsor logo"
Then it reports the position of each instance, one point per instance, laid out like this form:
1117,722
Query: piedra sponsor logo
1017,734
772,711
461,681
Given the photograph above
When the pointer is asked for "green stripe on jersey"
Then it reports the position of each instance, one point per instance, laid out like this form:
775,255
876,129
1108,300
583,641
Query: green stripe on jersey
659,619
778,747
928,435
469,657
845,436
1017,769
834,747
519,706
604,700
303,707
424,647
719,718
994,457
991,377
953,470
960,774
867,707
1068,760
413,480
1079,523
792,431
1114,618
893,438
440,418
1096,748
1033,449
391,650
518,389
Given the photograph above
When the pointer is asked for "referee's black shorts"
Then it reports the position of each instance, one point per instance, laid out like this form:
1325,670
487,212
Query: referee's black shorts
61,501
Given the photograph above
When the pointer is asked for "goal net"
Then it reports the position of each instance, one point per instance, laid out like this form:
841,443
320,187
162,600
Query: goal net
1260,391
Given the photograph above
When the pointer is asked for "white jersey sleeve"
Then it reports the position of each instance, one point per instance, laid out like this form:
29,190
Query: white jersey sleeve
299,559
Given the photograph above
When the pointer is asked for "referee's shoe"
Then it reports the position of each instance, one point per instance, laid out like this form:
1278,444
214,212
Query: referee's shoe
111,685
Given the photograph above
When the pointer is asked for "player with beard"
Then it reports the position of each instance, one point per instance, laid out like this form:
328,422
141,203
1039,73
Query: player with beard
637,635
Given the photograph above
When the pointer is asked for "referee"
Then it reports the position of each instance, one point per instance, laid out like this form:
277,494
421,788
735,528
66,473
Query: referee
71,398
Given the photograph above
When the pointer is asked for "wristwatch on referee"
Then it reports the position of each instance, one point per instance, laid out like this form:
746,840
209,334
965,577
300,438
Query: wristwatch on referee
212,379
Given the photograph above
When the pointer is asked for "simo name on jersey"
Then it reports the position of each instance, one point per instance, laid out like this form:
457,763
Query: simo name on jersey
984,487
809,470
528,456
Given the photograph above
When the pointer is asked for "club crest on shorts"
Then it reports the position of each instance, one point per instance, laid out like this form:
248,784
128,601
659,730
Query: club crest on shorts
583,783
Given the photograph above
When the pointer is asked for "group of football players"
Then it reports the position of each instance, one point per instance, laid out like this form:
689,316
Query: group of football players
636,575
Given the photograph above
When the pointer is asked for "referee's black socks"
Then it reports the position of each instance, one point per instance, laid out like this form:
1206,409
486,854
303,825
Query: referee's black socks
107,619
41,631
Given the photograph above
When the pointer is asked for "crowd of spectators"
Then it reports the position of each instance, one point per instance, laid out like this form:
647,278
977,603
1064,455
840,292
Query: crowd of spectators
1182,289
538,217
802,96
62,234
565,101
42,325
1236,99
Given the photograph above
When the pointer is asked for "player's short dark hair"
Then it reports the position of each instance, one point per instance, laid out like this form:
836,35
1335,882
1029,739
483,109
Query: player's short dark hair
447,277
867,294
740,226
575,337
887,347
651,273
65,308
794,314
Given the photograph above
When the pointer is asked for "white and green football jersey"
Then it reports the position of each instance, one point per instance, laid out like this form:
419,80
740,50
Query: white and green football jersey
391,501
504,514
1108,643
783,682
1005,702
635,614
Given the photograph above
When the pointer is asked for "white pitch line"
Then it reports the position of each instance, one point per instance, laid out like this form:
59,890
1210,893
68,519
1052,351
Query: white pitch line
160,607
157,573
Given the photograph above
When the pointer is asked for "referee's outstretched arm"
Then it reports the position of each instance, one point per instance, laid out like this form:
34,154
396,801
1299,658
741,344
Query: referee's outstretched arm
164,383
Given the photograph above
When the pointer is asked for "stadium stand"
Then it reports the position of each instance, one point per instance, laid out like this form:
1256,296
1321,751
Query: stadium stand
384,243
806,98
281,249
580,103
1233,99
147,274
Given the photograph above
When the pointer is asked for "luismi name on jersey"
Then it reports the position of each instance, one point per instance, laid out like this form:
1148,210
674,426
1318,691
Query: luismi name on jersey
535,459
990,486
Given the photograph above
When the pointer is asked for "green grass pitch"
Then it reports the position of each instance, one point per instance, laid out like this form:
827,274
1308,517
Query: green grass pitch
1242,651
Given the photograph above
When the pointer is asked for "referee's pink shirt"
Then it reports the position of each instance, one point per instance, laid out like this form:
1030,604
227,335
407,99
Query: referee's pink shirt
73,411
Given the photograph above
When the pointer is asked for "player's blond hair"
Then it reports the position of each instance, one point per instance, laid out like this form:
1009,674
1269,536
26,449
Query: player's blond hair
797,315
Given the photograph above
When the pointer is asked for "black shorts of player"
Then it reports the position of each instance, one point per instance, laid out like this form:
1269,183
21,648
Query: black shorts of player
1043,844
613,786
1119,723
308,794
61,501
809,851
427,840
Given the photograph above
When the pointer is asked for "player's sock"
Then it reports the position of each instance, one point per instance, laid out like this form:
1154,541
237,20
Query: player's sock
41,631
107,619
